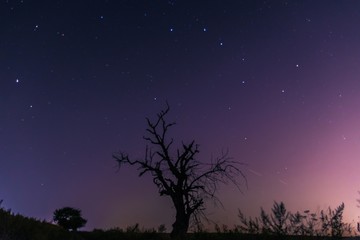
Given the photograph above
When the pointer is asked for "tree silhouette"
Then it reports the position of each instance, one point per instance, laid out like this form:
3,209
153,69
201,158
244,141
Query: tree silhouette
69,218
332,223
180,175
279,218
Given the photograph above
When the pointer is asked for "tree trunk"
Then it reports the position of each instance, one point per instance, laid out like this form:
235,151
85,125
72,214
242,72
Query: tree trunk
180,226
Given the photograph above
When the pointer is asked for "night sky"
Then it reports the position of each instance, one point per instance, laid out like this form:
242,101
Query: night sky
274,82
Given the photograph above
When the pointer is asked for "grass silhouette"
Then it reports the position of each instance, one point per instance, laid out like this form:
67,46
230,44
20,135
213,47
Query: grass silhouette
18,227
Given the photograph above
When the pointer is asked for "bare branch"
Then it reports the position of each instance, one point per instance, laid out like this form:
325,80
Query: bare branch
187,181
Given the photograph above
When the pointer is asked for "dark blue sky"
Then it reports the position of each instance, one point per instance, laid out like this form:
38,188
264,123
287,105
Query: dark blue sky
274,82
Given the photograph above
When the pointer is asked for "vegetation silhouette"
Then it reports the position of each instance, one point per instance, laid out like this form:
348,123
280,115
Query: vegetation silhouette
327,223
358,205
181,176
299,226
17,227
69,218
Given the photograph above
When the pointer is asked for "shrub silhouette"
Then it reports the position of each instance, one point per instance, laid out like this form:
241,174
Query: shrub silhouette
332,222
281,222
279,219
69,218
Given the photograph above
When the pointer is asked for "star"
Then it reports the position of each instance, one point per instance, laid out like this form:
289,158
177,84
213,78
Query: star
17,80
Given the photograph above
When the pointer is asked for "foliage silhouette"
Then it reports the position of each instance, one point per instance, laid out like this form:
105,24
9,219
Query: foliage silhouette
69,218
279,219
332,223
303,224
15,226
180,176
251,226
281,222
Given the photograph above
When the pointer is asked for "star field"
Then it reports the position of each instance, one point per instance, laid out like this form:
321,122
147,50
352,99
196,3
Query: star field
274,82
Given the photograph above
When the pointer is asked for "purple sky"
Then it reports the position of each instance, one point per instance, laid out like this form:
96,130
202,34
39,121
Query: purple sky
274,82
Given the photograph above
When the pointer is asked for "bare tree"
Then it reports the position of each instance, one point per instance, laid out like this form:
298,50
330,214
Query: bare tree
179,175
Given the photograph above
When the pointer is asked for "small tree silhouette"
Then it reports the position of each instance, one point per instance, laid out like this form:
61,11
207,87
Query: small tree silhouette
332,223
279,219
250,225
69,218
179,175
303,224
